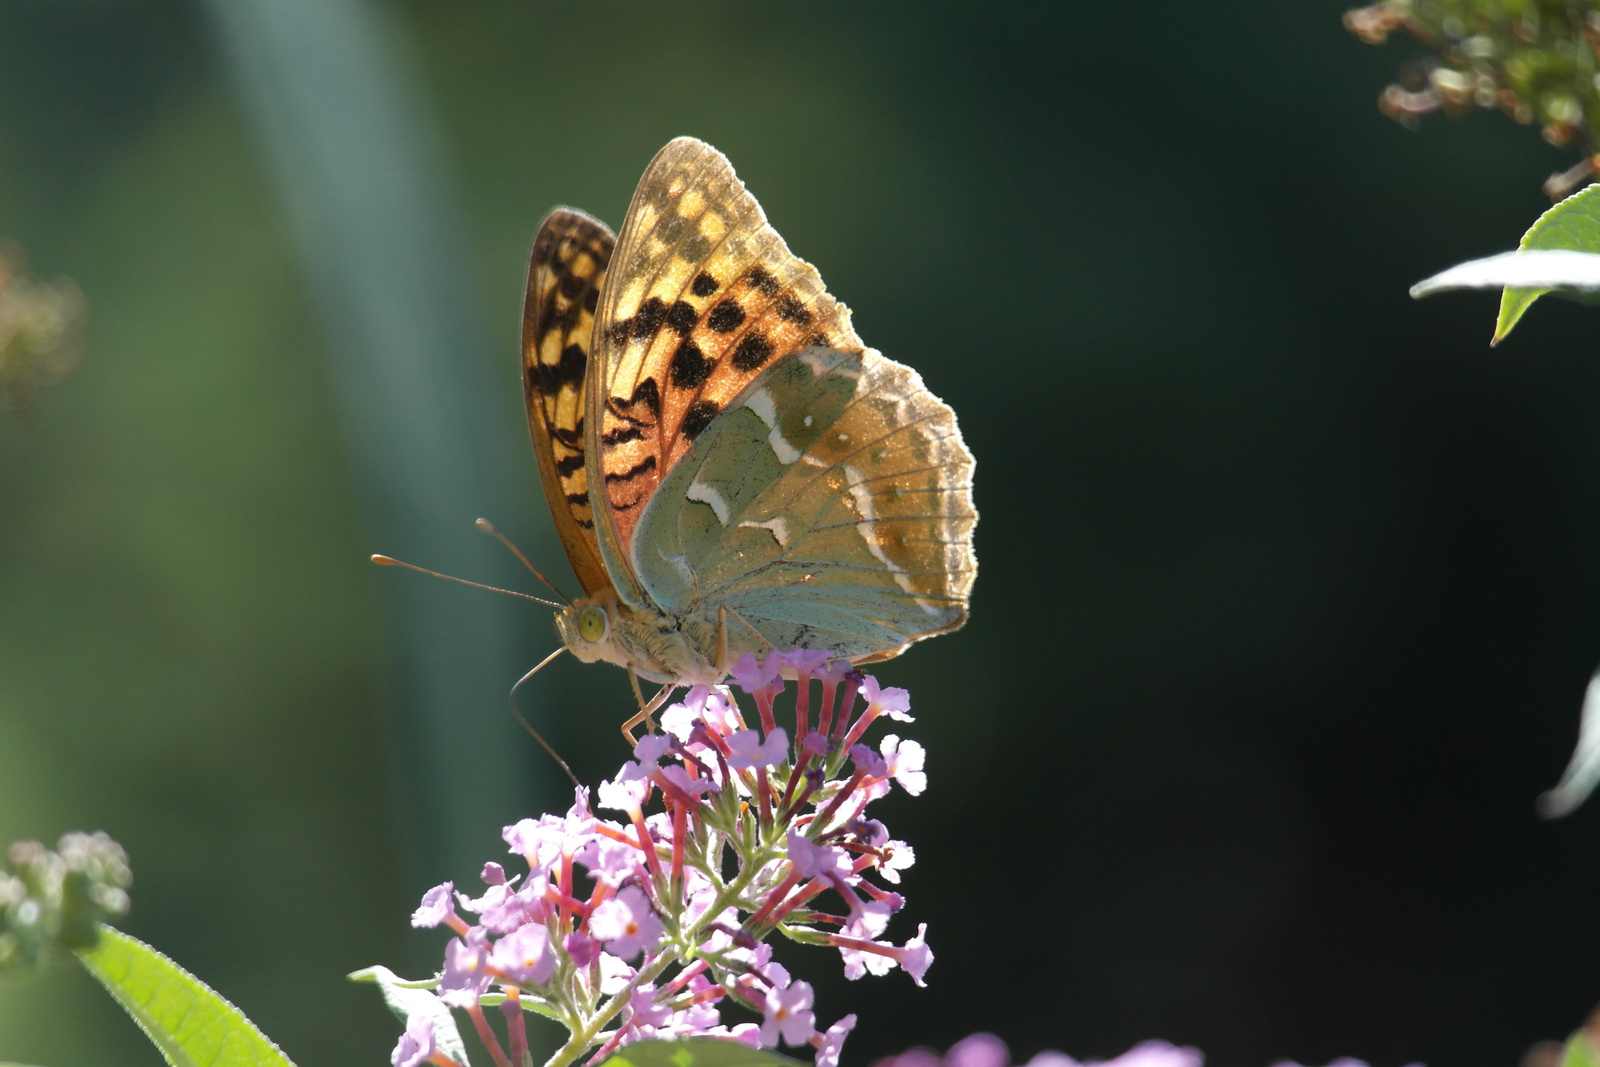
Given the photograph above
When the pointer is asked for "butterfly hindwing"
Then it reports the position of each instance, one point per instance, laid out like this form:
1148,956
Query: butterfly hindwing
829,507
566,272
703,295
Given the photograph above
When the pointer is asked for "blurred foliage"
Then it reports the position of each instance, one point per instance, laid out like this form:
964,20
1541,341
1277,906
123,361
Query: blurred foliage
1535,60
39,324
53,901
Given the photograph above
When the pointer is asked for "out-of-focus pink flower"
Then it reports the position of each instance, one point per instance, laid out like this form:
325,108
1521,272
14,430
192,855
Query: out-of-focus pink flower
979,1050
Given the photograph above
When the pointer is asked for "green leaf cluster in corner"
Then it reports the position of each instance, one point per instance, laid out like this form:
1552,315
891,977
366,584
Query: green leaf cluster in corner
185,1018
1570,226
696,1052
1580,1051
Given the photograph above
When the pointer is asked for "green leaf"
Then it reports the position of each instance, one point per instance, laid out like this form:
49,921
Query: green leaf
1571,226
695,1052
185,1018
1580,1051
406,999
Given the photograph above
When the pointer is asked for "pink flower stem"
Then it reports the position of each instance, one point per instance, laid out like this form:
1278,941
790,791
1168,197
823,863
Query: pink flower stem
685,976
566,904
794,779
611,1043
601,891
800,802
809,890
716,992
565,923
839,798
851,685
487,1036
773,900
764,703
766,796
867,717
841,941
645,844
802,705
516,1025
680,830
830,690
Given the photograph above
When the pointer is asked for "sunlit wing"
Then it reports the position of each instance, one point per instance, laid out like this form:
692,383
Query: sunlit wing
565,274
703,295
830,507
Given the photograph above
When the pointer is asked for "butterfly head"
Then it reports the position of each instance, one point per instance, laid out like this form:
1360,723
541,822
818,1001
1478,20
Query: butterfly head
587,630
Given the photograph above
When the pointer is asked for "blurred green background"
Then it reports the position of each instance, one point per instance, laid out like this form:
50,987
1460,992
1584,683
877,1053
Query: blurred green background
1290,586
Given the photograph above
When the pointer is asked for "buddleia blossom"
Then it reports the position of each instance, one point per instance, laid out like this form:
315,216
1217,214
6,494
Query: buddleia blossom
52,900
646,909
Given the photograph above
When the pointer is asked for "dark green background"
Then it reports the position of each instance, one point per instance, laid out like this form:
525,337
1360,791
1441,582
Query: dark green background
1289,585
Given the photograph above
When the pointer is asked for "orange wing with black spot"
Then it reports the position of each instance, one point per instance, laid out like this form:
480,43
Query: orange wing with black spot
566,272
702,294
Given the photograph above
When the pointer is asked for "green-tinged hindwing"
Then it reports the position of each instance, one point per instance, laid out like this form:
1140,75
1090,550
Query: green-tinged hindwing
828,506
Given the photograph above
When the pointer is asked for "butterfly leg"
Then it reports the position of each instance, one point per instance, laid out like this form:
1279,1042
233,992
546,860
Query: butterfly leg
645,710
746,624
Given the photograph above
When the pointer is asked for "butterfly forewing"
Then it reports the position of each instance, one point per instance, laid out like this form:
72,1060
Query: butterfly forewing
566,272
703,296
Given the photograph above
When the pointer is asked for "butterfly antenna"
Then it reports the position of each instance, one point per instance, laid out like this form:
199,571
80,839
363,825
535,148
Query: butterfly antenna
537,736
488,527
389,561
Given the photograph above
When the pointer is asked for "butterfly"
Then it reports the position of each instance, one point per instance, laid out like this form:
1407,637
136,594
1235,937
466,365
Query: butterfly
730,468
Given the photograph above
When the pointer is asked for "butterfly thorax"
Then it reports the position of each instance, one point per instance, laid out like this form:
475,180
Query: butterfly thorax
661,647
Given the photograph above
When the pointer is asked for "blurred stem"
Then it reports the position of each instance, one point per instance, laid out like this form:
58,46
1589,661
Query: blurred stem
344,137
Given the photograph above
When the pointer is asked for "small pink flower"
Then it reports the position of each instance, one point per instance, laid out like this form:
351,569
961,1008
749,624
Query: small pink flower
749,751
680,780
464,978
869,762
624,795
812,860
899,856
626,924
905,759
832,1043
435,908
416,1044
788,1012
765,676
916,957
807,661
524,955
889,700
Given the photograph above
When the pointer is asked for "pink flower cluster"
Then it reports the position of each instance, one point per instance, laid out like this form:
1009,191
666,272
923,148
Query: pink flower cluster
656,935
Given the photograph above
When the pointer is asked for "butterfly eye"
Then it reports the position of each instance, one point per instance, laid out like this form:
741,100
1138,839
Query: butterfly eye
591,624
